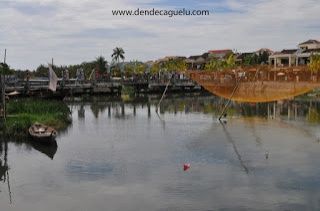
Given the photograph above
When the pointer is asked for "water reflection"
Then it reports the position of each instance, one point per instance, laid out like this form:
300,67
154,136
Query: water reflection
289,109
234,146
124,156
48,149
4,168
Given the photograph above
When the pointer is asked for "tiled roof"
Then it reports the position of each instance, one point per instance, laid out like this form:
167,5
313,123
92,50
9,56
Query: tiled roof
289,51
310,42
220,51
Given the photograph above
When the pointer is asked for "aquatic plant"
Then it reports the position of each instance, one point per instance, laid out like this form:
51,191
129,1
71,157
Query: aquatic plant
22,113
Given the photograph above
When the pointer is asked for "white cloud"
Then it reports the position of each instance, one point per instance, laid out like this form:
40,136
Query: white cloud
33,37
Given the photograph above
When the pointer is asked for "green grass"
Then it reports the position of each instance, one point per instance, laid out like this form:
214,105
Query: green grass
22,113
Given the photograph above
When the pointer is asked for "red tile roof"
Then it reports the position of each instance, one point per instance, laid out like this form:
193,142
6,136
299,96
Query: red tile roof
220,51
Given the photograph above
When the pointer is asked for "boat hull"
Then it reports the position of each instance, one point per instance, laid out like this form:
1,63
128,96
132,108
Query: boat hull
42,133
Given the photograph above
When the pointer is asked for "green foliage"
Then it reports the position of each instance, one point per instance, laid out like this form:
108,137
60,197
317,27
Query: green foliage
33,106
250,59
135,67
5,69
118,53
23,113
217,65
313,115
256,59
175,65
127,90
171,65
42,71
314,64
141,68
155,68
101,64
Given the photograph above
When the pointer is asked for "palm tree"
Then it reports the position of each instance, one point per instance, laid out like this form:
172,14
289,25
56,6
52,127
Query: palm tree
101,64
118,53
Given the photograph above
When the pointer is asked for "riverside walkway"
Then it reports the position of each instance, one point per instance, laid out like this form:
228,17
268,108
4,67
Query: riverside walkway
75,87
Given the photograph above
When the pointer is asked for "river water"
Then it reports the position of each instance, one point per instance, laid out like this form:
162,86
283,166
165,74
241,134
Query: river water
124,156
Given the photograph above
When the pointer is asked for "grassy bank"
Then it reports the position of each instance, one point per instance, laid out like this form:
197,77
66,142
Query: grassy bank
22,113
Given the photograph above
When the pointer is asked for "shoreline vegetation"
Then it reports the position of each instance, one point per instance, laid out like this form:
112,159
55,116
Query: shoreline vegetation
22,113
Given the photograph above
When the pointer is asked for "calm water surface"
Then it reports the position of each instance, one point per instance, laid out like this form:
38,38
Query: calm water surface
123,156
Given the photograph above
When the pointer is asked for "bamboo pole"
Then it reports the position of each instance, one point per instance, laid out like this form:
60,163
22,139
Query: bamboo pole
3,89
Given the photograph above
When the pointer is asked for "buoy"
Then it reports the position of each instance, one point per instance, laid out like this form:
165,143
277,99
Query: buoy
186,166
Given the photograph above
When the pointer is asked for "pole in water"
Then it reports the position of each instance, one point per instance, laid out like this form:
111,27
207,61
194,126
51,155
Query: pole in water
229,101
163,94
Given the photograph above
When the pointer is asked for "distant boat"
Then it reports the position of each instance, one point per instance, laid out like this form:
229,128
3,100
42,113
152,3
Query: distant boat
42,133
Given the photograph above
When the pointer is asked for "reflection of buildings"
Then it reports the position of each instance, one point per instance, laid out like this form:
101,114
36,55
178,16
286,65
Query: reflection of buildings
207,104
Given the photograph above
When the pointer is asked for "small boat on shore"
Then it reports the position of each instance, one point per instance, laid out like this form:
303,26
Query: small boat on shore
42,133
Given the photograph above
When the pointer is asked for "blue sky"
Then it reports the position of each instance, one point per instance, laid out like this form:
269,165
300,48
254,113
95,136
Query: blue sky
73,31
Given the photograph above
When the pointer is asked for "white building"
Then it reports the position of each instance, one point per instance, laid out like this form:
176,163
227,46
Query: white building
295,57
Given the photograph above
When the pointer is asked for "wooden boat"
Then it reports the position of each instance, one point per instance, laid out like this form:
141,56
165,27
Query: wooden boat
42,133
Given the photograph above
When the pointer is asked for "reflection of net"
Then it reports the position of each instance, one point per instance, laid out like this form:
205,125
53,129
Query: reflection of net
266,86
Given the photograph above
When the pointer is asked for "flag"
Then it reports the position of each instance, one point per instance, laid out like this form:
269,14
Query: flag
53,79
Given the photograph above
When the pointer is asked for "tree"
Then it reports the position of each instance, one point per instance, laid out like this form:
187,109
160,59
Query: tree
140,68
213,65
264,57
118,53
5,69
250,59
101,64
314,64
155,68
42,71
216,64
230,62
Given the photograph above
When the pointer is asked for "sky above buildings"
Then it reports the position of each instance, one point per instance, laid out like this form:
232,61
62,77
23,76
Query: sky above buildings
73,31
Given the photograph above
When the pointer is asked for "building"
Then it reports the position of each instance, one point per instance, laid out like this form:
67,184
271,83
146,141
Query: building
286,57
295,57
220,54
310,44
197,62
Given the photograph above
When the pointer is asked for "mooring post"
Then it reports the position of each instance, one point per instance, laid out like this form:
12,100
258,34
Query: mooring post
3,87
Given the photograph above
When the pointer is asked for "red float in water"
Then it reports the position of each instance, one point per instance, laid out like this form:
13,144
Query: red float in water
186,166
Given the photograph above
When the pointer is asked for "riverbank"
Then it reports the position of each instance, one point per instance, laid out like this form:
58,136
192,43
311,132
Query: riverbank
22,113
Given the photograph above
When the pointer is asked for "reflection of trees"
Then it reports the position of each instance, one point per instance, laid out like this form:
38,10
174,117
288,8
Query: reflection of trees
4,168
205,104
3,162
313,115
98,107
81,112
